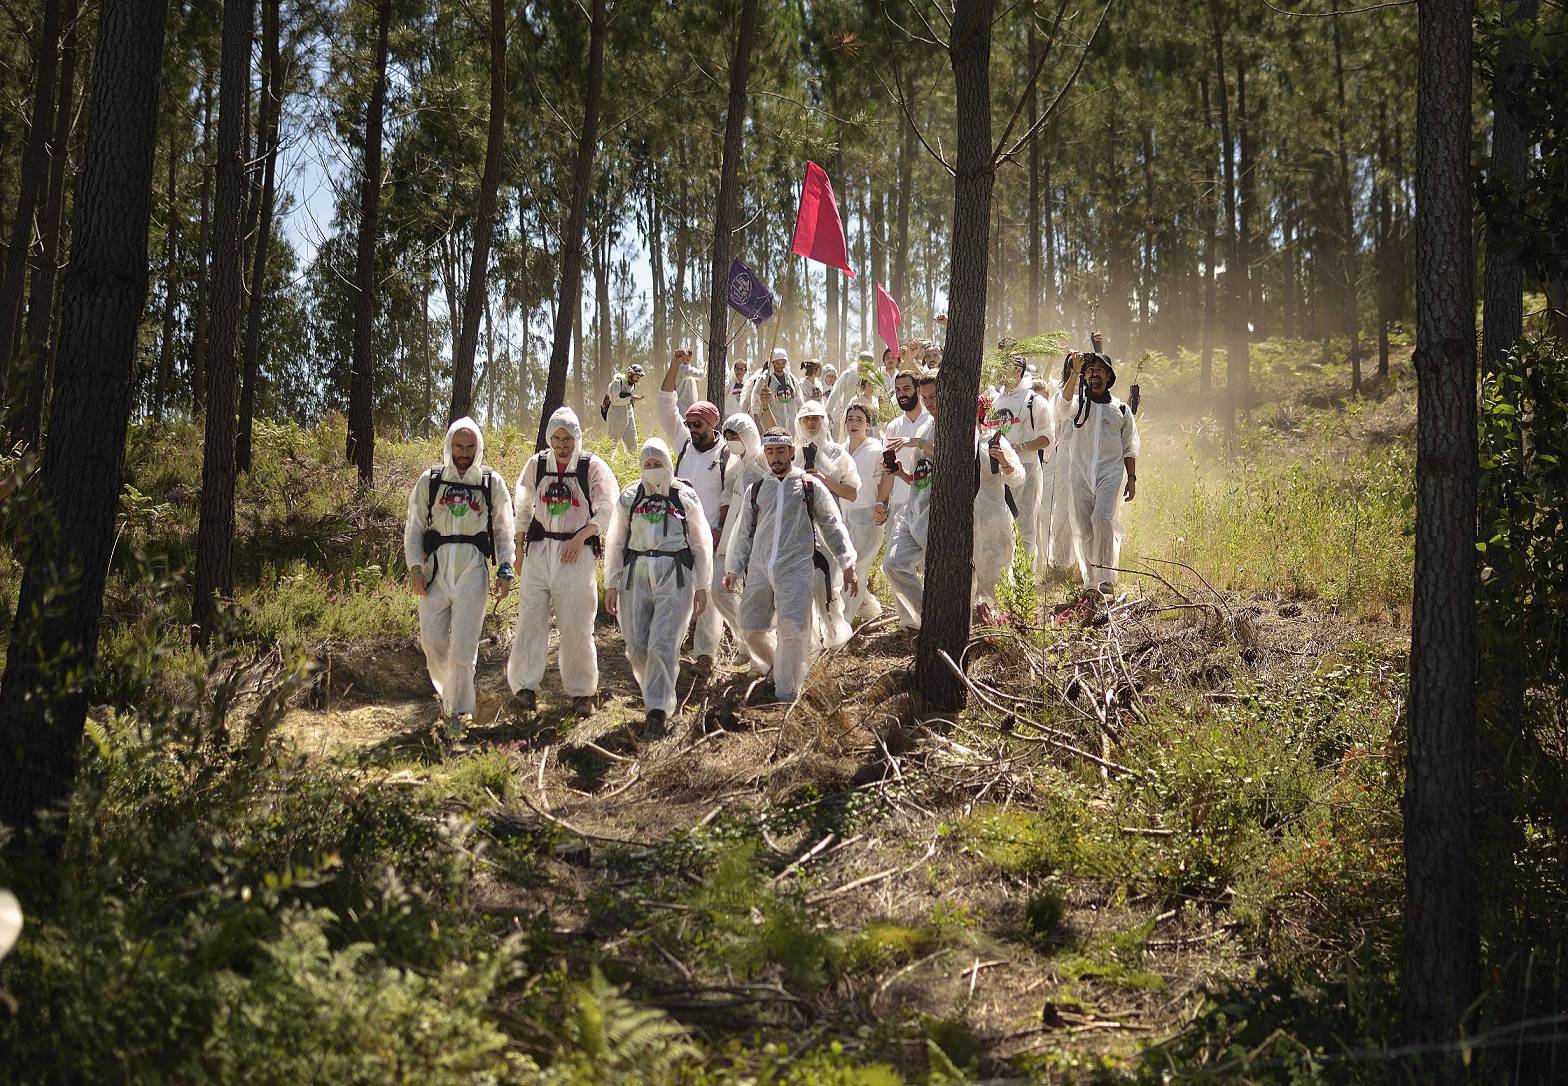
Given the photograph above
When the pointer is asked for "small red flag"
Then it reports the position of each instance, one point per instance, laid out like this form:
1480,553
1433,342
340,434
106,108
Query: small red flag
819,233
888,320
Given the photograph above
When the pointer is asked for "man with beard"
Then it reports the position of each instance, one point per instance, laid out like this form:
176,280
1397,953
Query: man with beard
776,392
1027,421
905,563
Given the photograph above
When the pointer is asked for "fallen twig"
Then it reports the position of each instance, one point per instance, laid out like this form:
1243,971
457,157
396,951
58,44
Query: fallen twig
565,825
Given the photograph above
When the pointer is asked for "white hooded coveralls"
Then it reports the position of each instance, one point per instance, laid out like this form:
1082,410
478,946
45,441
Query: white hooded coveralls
836,465
787,397
452,611
707,473
773,549
905,561
1023,415
865,534
548,586
993,553
1095,453
622,420
664,524
745,468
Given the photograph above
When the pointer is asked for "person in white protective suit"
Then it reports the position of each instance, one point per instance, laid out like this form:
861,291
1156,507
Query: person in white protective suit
865,534
1000,470
735,395
620,398
774,394
747,466
459,515
1049,390
829,463
703,464
812,386
865,384
829,379
689,390
564,500
1028,421
1102,472
658,563
909,446
774,560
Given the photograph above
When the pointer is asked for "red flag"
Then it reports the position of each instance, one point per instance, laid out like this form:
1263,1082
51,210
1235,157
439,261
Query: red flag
819,233
888,320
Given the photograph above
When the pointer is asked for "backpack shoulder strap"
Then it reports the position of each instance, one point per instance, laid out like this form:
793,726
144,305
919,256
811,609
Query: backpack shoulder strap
680,456
430,493
583,466
540,461
806,495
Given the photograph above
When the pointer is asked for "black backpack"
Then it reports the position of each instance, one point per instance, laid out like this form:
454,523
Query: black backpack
537,531
818,559
684,558
433,539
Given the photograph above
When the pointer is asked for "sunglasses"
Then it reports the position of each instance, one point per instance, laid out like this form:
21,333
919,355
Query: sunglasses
692,424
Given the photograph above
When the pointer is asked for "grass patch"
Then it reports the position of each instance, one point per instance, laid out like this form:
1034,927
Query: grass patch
886,943
1115,959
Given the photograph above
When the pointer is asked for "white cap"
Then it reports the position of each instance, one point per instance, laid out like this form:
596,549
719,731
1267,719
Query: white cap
780,352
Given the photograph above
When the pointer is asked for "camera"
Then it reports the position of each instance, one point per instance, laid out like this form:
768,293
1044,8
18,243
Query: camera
890,459
810,457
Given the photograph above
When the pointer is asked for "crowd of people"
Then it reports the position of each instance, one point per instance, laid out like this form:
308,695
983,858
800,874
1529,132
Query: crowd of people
767,518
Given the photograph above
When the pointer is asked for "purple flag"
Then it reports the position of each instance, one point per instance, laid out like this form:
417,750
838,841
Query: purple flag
748,296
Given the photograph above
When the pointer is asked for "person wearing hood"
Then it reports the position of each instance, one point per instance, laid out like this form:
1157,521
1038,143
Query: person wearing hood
905,561
564,496
459,517
865,385
1102,468
747,466
865,534
776,393
829,378
1027,421
735,395
1001,470
658,563
620,417
829,463
773,560
703,464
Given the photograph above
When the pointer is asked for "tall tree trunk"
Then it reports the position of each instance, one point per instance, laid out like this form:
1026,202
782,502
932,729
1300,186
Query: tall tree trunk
906,184
203,253
1211,210
484,220
171,286
1146,284
361,451
40,303
267,140
1238,365
55,633
1054,309
215,528
1032,47
34,183
1349,244
1233,296
1385,231
568,312
729,196
661,318
950,550
1441,943
603,335
1503,320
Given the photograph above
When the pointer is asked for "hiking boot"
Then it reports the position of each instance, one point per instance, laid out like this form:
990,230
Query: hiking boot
702,668
656,724
524,701
583,706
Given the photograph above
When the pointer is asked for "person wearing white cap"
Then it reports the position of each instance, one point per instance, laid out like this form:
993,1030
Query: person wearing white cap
865,384
1102,470
773,559
703,464
735,395
618,401
1027,420
459,515
776,392
564,496
865,534
829,463
658,563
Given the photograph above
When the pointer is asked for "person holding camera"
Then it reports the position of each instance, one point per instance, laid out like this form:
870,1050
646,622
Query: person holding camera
1001,471
913,422
617,407
905,563
459,515
1102,466
773,561
1027,421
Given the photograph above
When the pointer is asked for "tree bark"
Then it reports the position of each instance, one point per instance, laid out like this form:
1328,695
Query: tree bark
361,450
729,197
54,642
272,92
34,183
569,309
1032,49
484,221
215,528
1211,214
1349,244
1385,230
203,254
1238,363
1441,943
950,549
40,302
1233,296
1503,320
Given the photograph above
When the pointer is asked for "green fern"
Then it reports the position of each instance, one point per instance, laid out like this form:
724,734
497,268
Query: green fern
614,1040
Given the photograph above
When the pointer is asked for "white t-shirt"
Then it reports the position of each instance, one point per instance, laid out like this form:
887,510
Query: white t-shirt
922,426
868,461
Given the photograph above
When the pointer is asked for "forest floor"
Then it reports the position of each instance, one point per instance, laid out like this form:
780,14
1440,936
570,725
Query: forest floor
1189,792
